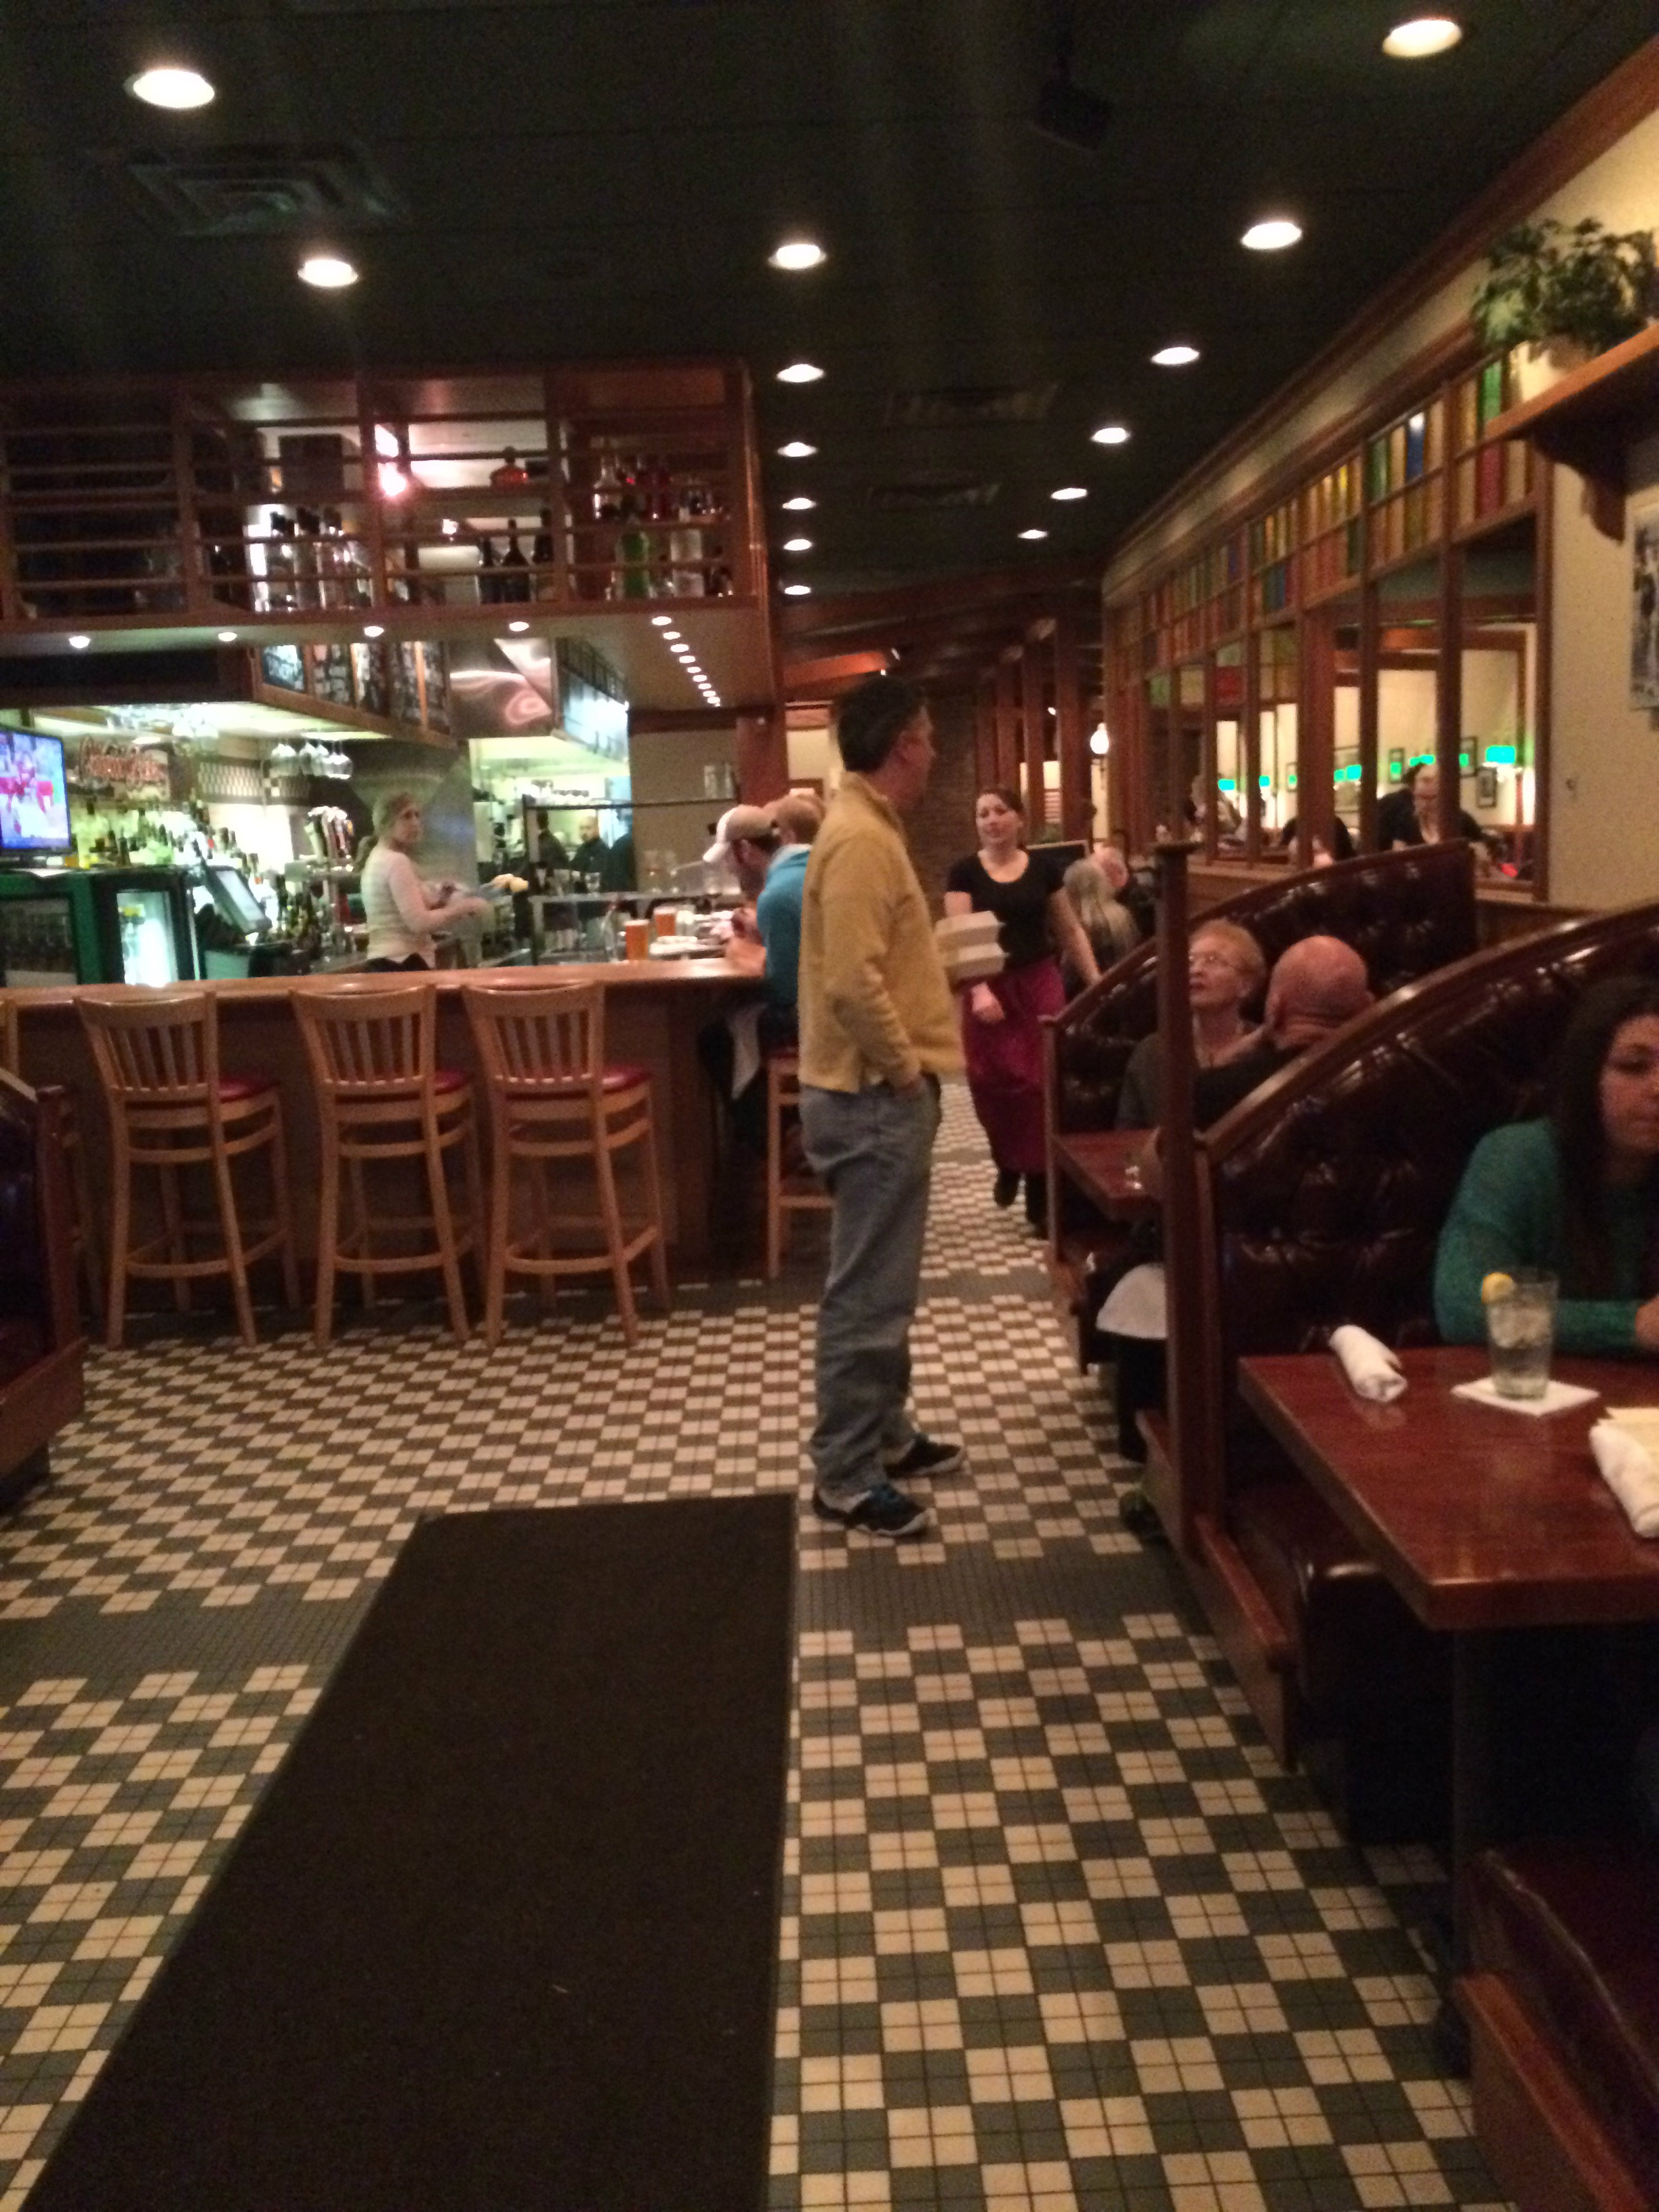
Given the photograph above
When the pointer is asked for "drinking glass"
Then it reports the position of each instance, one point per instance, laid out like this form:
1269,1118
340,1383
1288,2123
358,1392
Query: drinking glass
1521,1333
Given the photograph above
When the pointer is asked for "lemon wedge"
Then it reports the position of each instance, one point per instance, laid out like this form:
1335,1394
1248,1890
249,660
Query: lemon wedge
1496,1285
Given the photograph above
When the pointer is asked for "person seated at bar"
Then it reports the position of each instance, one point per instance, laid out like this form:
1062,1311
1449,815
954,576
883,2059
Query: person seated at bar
1108,924
1317,984
1575,1193
767,848
1226,970
405,915
1132,888
1398,809
1422,825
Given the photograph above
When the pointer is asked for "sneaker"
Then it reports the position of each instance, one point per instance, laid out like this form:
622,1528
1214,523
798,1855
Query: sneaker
1139,1515
1006,1189
925,1456
883,1512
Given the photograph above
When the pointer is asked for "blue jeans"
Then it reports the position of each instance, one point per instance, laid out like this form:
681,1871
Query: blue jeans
874,1150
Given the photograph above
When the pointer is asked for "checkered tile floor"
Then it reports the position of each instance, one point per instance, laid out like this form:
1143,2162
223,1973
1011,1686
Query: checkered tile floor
1058,1936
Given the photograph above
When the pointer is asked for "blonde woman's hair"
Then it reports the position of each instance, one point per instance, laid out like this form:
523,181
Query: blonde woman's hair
387,810
1107,922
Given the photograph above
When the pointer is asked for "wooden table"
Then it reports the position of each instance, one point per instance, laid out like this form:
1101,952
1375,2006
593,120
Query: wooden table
1102,1163
1487,1522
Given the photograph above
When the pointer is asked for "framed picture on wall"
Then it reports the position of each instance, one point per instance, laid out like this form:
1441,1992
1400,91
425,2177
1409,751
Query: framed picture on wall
1644,609
1485,787
1397,763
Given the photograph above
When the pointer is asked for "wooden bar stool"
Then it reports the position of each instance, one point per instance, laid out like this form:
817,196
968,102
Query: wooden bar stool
552,1098
785,1193
157,1056
382,1096
83,1234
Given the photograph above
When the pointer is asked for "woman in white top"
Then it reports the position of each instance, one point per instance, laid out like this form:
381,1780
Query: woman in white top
405,915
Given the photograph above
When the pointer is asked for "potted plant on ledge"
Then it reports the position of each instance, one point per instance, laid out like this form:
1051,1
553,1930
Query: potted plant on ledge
1564,292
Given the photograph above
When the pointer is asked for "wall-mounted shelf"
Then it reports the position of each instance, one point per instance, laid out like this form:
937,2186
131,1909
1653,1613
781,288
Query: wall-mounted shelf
1591,418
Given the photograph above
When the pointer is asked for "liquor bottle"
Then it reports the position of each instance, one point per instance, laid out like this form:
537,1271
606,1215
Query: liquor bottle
512,475
541,555
685,547
601,582
307,527
489,582
633,543
279,564
514,582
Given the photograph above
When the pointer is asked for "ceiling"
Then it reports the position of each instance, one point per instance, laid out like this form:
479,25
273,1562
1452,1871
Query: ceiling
559,178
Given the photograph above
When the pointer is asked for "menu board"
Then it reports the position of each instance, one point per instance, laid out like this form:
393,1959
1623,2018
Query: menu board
282,667
436,670
368,677
405,684
331,673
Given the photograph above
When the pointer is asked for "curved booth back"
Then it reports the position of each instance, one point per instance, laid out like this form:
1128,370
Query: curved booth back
1407,912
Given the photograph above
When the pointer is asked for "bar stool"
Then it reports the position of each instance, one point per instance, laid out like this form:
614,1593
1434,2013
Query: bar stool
552,1098
83,1235
157,1056
785,1193
382,1096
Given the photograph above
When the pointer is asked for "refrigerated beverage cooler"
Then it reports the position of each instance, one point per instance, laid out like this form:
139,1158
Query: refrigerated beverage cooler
61,926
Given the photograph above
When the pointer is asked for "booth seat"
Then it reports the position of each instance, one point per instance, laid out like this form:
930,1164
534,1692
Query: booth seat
1563,2006
1320,1201
41,1348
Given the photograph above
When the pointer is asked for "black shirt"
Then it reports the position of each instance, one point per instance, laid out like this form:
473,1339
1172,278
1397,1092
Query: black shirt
1021,906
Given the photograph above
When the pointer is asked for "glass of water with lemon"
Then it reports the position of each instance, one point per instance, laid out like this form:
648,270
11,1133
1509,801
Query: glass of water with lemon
1520,1309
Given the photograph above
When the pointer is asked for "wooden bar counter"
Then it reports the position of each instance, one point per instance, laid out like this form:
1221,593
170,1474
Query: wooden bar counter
654,1011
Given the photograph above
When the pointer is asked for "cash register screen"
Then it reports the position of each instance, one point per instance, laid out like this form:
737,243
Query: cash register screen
235,900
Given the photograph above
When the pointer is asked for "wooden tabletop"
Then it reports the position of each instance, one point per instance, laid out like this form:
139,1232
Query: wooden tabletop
1480,1517
1102,1163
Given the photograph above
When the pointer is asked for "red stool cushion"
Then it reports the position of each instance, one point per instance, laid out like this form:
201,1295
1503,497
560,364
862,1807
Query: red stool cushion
233,1088
450,1078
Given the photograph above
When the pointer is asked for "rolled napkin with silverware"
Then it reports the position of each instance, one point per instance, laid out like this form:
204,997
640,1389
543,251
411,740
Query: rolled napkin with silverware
1626,1458
1369,1366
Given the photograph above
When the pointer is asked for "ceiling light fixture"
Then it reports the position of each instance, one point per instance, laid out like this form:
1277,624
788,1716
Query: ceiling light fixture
661,621
800,504
669,636
1272,234
1099,743
1110,433
329,272
797,544
1034,533
800,372
227,637
798,254
169,85
79,641
373,629
1420,36
517,627
797,450
1175,356
797,591
449,526
1070,491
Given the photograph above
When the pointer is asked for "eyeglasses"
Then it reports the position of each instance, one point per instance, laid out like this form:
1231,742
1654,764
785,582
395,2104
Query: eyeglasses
1209,960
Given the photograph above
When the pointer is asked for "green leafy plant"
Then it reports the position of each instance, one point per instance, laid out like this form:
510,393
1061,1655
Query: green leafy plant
1580,281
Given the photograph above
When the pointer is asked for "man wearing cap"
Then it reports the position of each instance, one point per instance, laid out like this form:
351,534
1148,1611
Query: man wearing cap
766,850
877,1030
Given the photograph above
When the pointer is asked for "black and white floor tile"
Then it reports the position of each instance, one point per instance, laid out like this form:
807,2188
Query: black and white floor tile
1057,1935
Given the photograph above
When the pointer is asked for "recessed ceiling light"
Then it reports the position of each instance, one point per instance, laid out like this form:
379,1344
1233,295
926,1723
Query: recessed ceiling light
227,637
797,450
170,86
798,254
1034,533
79,641
327,272
800,504
661,621
1110,433
1415,40
450,527
797,591
800,372
373,629
1272,234
797,544
1070,491
515,627
669,636
1175,356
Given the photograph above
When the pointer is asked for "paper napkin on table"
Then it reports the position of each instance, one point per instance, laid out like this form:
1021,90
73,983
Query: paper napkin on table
1556,1398
1137,1304
1367,1362
1625,1442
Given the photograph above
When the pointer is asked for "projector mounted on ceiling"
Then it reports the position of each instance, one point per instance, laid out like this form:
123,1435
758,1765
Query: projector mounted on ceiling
1064,110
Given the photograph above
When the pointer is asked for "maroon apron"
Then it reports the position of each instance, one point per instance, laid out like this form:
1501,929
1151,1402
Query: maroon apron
1005,1062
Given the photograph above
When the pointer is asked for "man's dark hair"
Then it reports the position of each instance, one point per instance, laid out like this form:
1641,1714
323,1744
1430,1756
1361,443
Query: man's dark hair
872,716
1581,1142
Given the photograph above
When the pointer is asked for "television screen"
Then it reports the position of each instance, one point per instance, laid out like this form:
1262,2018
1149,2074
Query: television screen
34,794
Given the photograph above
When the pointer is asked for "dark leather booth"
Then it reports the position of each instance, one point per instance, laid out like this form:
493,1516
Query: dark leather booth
41,1348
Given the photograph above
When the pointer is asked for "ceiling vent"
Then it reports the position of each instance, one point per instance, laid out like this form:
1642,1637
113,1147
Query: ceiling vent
241,192
931,494
955,405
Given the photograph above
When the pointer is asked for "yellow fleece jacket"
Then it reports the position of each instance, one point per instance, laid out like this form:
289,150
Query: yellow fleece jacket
874,1004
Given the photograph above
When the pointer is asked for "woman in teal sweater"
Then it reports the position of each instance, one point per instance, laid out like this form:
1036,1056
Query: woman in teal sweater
1578,1194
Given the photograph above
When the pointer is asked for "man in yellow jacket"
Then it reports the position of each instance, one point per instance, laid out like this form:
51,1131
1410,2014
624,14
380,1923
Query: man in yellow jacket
877,1030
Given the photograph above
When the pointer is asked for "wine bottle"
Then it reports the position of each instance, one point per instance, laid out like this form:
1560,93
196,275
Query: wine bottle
541,554
634,543
490,583
686,548
514,582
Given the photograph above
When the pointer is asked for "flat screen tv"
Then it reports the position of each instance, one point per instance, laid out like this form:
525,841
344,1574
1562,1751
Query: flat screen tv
35,816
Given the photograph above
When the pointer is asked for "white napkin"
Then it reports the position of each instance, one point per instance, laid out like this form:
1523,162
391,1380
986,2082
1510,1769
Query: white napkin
1557,1397
1136,1305
744,1022
1627,1467
1367,1362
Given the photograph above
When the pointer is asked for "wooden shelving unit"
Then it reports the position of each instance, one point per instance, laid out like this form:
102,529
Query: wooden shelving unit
1592,417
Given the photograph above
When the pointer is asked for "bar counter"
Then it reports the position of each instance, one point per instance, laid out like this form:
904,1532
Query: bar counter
654,1011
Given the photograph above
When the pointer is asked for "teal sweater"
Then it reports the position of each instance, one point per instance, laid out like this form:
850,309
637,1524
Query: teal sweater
1507,1213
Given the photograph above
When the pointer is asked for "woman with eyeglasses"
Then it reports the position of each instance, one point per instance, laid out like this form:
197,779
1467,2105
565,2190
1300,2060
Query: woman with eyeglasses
1226,970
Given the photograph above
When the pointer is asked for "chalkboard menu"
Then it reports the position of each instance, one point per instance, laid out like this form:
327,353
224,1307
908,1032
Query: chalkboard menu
368,675
434,665
282,667
405,684
331,673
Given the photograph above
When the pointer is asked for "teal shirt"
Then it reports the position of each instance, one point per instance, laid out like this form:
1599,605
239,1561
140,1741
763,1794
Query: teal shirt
1508,1214
777,917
